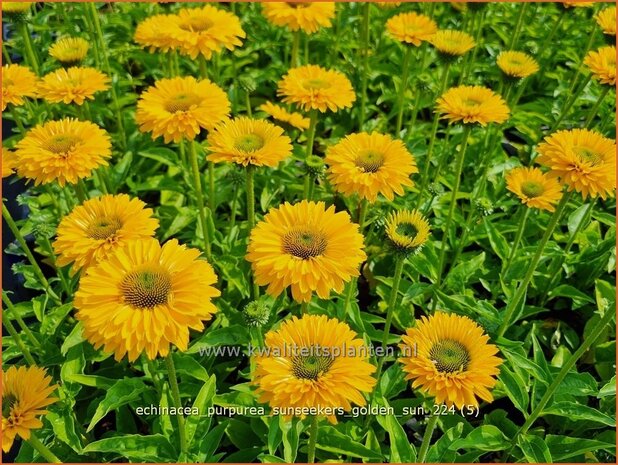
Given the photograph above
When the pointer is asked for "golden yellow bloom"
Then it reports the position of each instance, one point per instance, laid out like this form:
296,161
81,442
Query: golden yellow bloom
534,188
572,4
370,164
452,43
472,104
16,7
602,64
407,231
307,16
388,4
312,87
144,297
306,247
98,227
205,31
247,141
411,28
25,394
8,162
18,82
582,159
73,85
459,6
62,151
517,64
606,19
449,357
69,50
181,107
281,114
154,33
312,362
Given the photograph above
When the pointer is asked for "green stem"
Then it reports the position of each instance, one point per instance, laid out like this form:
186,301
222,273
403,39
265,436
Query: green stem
429,429
81,191
544,47
402,89
304,308
18,342
201,209
17,120
42,449
417,97
520,232
313,119
569,103
211,187
234,208
313,436
248,104
523,286
22,324
30,54
575,76
364,71
153,375
597,104
295,47
173,382
309,186
251,214
520,22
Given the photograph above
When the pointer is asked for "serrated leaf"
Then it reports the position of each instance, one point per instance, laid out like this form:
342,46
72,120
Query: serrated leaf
121,393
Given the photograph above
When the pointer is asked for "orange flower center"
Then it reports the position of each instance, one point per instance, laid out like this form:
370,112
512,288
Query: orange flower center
146,287
304,243
104,228
369,161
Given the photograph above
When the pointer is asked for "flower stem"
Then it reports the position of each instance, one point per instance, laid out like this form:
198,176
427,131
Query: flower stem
520,232
248,104
518,26
81,191
201,209
17,120
22,324
364,71
569,103
429,428
42,449
417,97
234,208
211,187
295,47
597,104
313,115
251,214
313,437
16,337
30,54
523,286
173,382
402,89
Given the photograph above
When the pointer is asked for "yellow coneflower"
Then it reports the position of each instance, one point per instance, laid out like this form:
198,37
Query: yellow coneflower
472,104
602,64
407,231
448,357
306,16
534,188
247,141
582,159
63,151
181,107
25,394
517,64
154,33
69,50
452,43
370,164
16,7
311,362
93,230
279,113
73,85
18,82
606,19
573,4
388,4
144,297
312,87
411,28
306,247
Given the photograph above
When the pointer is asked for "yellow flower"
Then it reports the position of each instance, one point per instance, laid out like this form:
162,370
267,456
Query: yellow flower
312,87
452,43
181,107
306,16
205,31
154,33
73,85
69,50
281,114
247,141
25,394
62,151
98,227
573,4
602,64
306,247
8,163
411,28
16,7
144,297
407,231
313,362
388,4
582,159
472,104
370,164
606,19
517,64
448,357
18,82
534,188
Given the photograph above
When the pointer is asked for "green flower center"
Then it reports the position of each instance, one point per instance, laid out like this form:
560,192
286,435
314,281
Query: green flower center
315,84
196,25
8,402
181,102
62,143
532,189
311,366
406,229
449,356
147,287
249,142
104,228
369,161
304,243
298,4
590,156
472,102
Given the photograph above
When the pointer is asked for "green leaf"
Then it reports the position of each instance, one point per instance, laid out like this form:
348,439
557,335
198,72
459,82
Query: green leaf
515,388
574,411
92,380
210,442
609,389
565,447
486,437
187,365
121,393
331,440
65,429
195,423
401,449
534,448
579,298
75,337
291,437
497,241
155,448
